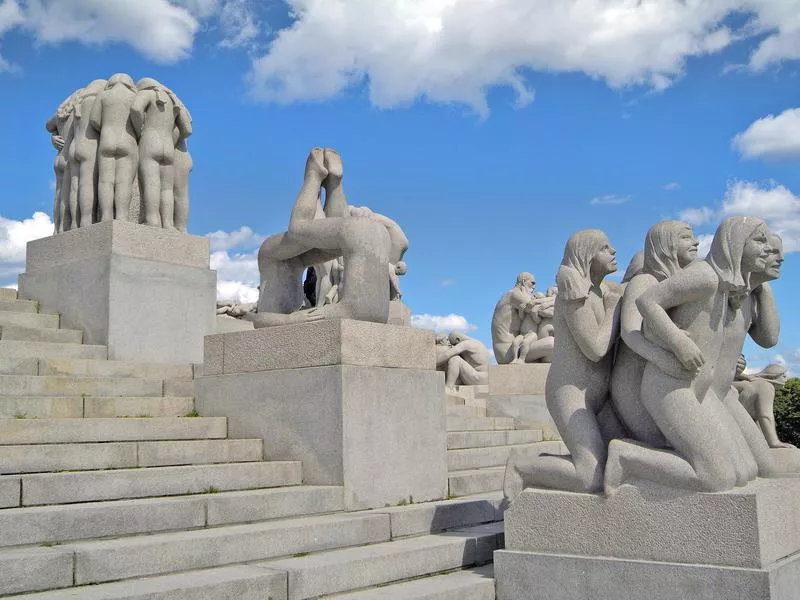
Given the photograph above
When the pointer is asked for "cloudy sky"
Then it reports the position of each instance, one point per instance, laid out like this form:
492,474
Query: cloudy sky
489,129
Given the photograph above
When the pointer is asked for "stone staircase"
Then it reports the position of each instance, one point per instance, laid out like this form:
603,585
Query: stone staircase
111,486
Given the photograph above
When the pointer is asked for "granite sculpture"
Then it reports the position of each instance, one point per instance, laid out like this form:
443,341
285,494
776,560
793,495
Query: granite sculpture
757,395
119,142
522,328
464,360
370,246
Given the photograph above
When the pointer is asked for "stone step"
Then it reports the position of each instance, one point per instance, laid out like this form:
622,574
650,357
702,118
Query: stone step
465,411
61,407
470,584
179,387
475,481
349,569
90,486
41,349
8,293
238,582
481,439
25,306
30,320
78,367
434,517
70,522
65,431
36,385
32,334
125,455
491,456
479,423
100,561
18,366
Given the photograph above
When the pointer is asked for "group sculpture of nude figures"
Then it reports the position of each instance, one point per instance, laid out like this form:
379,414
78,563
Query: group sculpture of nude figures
111,132
642,384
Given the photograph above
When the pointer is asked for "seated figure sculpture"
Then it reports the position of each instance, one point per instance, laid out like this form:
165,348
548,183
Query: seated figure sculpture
515,324
364,244
464,360
757,395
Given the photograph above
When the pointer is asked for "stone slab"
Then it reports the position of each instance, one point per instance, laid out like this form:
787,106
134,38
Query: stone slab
749,527
379,432
321,343
226,324
787,459
518,379
41,407
538,576
262,505
42,349
17,333
528,412
119,238
33,569
8,293
471,584
10,491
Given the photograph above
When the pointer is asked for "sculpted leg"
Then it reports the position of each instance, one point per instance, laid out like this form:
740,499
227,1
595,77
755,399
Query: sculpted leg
534,349
57,208
105,187
86,193
150,180
73,194
167,204
453,372
752,434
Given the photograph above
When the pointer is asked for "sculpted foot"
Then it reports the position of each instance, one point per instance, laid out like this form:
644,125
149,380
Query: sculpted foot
315,165
333,164
512,481
614,474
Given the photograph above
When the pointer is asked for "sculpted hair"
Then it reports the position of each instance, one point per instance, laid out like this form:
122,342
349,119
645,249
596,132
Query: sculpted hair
727,248
634,267
574,275
661,249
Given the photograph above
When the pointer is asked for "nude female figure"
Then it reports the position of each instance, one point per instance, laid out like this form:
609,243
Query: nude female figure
586,321
669,247
83,157
60,128
118,151
182,164
685,314
153,118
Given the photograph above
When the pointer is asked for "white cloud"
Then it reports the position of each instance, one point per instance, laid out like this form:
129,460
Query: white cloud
774,203
239,24
234,256
771,136
454,50
672,186
610,199
442,322
14,238
236,291
241,238
705,244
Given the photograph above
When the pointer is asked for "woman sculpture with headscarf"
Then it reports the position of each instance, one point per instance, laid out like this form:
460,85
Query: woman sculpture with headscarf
585,321
686,314
669,247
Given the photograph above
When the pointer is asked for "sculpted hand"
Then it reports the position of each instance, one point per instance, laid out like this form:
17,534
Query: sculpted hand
57,141
690,355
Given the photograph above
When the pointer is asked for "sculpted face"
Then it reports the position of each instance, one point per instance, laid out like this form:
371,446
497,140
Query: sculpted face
756,251
775,258
527,282
686,250
606,258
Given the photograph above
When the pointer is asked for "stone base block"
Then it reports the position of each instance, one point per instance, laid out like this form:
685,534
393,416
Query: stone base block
787,459
538,576
749,527
226,324
378,432
528,412
399,313
146,293
518,379
320,343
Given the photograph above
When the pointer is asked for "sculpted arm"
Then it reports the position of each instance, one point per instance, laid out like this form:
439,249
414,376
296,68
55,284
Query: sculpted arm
631,330
594,339
96,118
184,123
138,109
766,325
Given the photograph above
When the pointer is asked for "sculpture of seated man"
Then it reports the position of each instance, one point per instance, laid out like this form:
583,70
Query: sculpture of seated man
517,332
463,359
757,395
363,242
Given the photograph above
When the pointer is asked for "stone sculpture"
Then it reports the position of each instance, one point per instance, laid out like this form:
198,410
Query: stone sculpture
464,360
586,323
370,245
757,395
516,332
106,134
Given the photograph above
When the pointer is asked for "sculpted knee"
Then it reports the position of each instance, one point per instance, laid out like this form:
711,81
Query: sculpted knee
717,477
363,235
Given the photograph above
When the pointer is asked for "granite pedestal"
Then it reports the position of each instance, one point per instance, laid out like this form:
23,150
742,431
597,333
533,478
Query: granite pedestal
145,292
650,543
359,403
517,391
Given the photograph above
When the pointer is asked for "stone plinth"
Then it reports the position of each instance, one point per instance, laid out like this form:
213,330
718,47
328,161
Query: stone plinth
517,391
146,293
655,544
359,403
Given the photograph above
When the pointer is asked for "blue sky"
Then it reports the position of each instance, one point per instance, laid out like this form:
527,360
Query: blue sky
489,130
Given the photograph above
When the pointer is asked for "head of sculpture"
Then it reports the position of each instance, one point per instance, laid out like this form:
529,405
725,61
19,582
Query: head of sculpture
669,247
400,268
588,258
634,267
120,79
774,372
775,258
456,336
442,339
526,281
739,248
551,291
